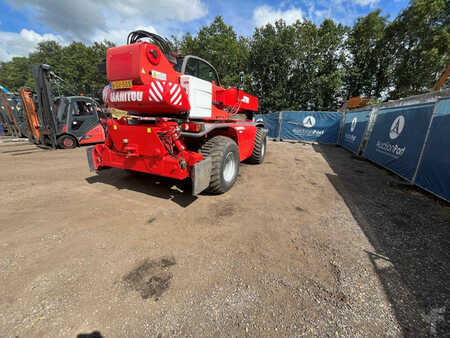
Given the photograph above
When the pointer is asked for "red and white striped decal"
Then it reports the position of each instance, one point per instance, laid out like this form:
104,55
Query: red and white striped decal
175,94
156,91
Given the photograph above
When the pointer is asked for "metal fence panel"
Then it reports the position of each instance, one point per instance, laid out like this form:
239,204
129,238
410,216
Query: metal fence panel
434,170
355,125
271,121
397,138
322,127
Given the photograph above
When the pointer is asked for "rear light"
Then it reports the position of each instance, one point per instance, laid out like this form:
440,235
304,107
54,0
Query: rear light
192,127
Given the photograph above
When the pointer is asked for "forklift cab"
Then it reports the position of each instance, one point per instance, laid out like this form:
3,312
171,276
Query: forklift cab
78,121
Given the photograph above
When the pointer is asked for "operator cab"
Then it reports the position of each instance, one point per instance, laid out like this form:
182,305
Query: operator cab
195,66
77,117
75,111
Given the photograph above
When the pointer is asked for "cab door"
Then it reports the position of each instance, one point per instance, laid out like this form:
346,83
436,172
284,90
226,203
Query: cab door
195,66
82,118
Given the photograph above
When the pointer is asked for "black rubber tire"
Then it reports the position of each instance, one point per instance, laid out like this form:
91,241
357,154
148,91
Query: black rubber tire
67,142
259,150
217,148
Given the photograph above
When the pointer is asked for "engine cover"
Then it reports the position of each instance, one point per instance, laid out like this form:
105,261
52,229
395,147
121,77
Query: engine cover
157,98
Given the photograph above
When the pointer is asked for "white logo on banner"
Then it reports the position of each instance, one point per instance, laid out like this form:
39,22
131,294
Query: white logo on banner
397,127
353,126
309,122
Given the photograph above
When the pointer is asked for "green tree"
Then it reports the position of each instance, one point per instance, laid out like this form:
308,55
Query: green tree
329,67
298,66
75,63
417,42
271,62
218,44
366,69
15,73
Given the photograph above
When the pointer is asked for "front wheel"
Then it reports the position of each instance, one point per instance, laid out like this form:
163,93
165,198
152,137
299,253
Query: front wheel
224,154
259,149
67,142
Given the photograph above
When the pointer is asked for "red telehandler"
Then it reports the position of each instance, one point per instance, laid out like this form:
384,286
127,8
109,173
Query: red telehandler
180,121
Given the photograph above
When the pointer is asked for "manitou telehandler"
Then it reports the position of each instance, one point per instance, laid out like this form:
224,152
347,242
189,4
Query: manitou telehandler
180,120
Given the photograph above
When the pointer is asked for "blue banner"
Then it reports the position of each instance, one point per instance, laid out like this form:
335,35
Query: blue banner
4,90
271,121
355,125
322,127
397,138
434,171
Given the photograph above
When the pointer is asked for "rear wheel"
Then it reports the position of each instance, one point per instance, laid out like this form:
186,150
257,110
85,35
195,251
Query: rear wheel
224,154
259,150
67,142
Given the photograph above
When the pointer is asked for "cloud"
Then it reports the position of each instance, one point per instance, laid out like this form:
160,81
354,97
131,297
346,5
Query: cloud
73,18
341,11
266,14
95,20
366,2
119,36
181,10
321,15
20,44
82,19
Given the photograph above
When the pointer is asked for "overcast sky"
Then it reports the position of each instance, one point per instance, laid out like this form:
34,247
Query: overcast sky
23,23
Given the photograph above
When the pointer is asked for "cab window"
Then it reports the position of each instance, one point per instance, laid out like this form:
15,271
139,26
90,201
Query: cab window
62,108
206,72
63,114
191,67
83,108
179,64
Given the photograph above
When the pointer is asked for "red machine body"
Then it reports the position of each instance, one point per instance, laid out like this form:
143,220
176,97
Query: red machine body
172,113
154,86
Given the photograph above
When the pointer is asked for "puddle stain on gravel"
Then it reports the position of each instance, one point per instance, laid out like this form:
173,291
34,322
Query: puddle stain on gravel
151,278
224,210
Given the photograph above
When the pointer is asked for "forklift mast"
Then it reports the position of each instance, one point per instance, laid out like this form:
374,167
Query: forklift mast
47,115
9,117
29,110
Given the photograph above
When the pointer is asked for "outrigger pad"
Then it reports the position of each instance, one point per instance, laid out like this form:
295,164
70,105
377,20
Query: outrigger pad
90,159
201,176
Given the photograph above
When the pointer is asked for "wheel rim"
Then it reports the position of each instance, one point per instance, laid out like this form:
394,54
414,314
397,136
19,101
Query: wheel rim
68,142
263,149
229,168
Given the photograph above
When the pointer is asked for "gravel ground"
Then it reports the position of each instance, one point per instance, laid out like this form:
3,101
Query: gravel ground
313,242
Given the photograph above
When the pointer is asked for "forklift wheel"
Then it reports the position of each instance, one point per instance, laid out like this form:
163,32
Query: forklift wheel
67,142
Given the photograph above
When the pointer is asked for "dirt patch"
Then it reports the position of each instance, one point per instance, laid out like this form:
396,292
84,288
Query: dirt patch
151,278
94,334
226,209
275,256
